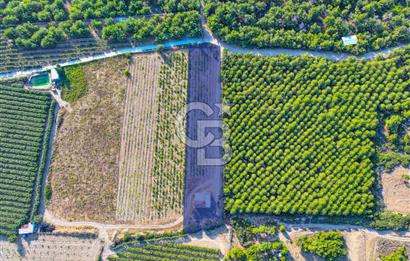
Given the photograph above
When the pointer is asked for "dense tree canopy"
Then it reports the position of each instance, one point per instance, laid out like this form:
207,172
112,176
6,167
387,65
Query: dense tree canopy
32,24
303,131
310,24
174,26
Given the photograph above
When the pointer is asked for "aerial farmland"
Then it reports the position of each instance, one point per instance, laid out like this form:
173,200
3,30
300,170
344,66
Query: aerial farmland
204,130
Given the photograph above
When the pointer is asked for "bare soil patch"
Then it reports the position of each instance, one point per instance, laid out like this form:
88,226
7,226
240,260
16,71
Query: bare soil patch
84,171
396,193
201,176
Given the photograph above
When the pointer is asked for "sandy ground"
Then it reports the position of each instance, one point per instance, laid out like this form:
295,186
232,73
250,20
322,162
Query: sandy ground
217,238
396,193
52,247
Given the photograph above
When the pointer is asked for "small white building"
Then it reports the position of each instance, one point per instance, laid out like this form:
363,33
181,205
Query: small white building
349,40
26,229
202,200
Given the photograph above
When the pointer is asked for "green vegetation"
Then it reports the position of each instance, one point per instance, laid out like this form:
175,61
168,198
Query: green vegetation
274,251
248,233
87,9
21,20
48,192
74,83
310,24
389,220
174,26
166,251
24,139
398,255
328,245
303,131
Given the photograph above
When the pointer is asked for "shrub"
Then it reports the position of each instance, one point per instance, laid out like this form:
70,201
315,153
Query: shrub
75,83
398,255
328,245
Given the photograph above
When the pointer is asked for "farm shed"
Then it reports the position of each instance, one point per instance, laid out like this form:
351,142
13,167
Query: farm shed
349,40
202,200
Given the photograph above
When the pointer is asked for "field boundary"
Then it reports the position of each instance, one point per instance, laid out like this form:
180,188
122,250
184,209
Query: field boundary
44,158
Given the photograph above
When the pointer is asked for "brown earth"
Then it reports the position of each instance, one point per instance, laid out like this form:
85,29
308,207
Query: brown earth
84,170
396,193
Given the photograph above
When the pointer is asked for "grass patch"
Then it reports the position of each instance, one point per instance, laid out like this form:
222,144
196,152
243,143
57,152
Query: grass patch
74,83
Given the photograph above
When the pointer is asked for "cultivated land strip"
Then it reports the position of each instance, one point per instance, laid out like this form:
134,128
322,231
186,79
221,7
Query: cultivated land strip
152,158
137,143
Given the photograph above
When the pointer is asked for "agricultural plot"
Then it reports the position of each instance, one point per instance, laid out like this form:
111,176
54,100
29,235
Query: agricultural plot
84,169
152,158
317,25
24,131
304,131
12,58
57,247
204,167
166,251
34,33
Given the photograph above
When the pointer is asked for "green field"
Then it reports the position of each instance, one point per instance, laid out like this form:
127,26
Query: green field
307,134
165,252
23,124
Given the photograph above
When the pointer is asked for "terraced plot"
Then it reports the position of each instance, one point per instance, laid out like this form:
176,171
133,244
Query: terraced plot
152,158
166,251
23,143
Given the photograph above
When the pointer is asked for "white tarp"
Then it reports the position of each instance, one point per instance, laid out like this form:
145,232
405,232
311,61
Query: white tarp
349,40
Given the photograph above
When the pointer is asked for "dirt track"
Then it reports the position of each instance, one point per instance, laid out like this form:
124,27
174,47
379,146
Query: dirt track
204,100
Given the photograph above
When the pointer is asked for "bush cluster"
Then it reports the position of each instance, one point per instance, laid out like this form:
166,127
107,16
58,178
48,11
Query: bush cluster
274,251
328,245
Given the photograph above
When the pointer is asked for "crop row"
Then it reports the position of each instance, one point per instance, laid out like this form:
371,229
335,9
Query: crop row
167,251
22,128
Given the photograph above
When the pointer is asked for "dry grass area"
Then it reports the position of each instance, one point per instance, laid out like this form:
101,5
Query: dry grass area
84,171
53,247
152,158
396,193
385,247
